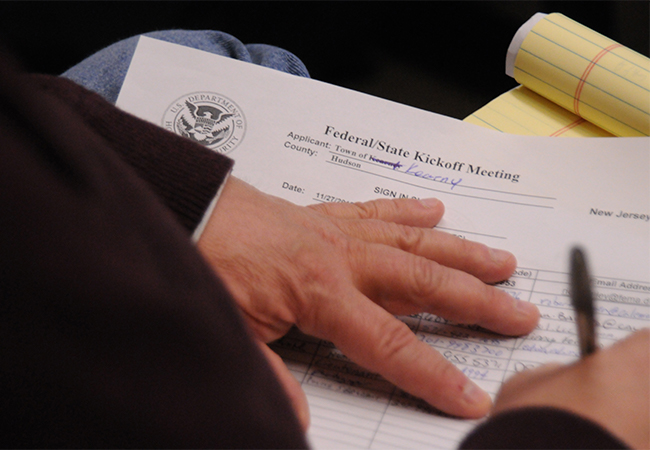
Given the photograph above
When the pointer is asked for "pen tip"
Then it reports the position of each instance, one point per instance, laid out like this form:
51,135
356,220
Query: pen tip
580,281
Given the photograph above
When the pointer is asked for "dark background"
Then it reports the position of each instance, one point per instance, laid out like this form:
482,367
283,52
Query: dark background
446,57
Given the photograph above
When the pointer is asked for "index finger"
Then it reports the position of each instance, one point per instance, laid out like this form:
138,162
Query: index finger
379,342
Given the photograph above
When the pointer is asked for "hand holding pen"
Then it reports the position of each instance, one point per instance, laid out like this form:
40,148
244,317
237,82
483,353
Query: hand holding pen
609,388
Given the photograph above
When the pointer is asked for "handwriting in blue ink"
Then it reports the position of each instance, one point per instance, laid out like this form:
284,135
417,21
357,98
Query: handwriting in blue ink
413,170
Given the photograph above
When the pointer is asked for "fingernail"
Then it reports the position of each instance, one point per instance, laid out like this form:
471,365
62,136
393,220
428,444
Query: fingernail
525,308
473,394
430,202
500,256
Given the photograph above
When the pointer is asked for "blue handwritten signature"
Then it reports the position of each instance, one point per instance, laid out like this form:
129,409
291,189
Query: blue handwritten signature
413,170
428,176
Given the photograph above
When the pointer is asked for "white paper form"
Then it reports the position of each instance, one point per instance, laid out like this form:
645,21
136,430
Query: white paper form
308,142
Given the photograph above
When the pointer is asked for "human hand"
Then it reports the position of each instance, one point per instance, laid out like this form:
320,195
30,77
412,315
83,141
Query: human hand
611,387
341,272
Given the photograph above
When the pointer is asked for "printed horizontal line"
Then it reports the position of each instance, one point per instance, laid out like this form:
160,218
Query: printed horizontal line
471,232
444,191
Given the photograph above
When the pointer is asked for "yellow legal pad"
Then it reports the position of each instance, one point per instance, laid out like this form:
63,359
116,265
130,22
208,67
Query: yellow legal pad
574,81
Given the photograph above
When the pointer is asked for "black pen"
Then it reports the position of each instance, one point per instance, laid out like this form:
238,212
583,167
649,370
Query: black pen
583,302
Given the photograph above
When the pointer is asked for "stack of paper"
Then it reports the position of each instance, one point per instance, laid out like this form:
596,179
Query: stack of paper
574,81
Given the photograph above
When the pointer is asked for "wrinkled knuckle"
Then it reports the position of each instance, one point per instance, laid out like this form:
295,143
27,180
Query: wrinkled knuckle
368,210
425,279
396,338
411,238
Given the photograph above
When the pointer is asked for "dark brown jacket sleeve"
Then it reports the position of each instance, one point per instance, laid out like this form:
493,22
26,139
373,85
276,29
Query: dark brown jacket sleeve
184,176
540,428
113,331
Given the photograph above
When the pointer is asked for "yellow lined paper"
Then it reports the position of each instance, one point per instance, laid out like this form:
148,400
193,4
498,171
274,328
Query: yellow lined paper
522,111
576,82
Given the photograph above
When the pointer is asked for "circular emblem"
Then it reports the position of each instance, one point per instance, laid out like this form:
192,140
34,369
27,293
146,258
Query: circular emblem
207,118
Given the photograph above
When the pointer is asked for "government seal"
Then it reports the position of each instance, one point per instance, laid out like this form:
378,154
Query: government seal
207,118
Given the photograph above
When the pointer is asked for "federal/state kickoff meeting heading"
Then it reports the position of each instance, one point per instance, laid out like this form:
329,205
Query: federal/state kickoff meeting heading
423,157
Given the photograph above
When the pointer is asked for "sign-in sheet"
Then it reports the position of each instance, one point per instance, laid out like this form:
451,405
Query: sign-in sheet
309,142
